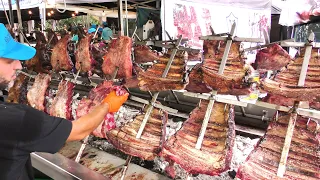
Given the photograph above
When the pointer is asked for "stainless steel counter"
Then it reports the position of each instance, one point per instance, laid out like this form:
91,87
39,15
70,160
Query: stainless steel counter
57,166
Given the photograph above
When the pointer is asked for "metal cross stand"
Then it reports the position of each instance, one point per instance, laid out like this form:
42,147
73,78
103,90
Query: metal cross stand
293,116
155,96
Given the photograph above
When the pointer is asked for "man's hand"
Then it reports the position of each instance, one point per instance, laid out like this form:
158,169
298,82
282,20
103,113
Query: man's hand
114,101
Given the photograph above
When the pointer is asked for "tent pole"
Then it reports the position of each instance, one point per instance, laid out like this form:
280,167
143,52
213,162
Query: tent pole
120,17
20,26
127,22
11,13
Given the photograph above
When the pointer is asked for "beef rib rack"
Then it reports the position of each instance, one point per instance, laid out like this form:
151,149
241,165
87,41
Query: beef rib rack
303,159
96,95
232,81
39,60
36,94
215,155
149,145
143,54
84,58
273,57
60,59
61,105
18,92
118,55
285,83
152,80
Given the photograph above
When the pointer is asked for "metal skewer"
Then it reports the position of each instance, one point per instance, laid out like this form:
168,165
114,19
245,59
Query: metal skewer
213,93
155,96
293,116
125,167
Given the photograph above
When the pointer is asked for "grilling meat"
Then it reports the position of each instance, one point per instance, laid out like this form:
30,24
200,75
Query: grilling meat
36,94
273,57
215,155
18,92
61,105
232,81
196,83
118,55
84,59
285,83
151,79
39,60
60,59
95,97
303,160
150,143
143,54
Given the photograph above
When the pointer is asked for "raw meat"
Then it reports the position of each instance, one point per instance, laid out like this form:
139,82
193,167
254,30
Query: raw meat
118,55
96,96
151,79
61,105
84,59
232,81
285,83
60,59
215,155
143,54
303,160
273,57
151,141
18,92
36,94
196,83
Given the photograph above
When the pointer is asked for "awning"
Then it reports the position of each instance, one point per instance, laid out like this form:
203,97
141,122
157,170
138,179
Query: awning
24,4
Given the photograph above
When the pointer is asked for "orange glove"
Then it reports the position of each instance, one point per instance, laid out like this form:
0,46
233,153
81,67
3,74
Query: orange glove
114,101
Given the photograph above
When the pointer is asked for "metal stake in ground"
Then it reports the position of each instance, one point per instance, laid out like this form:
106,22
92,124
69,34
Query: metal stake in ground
125,167
155,96
85,140
213,93
293,116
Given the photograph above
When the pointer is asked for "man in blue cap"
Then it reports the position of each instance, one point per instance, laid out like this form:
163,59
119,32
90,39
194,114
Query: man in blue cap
24,130
106,32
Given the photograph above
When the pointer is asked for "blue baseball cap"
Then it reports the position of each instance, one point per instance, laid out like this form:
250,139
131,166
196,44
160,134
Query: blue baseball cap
92,30
105,23
11,49
94,26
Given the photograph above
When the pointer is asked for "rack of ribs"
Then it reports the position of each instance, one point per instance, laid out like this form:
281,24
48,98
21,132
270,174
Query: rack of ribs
61,105
84,58
60,59
273,57
38,61
96,95
118,55
18,92
152,80
285,82
232,80
149,145
36,94
143,54
215,155
303,159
